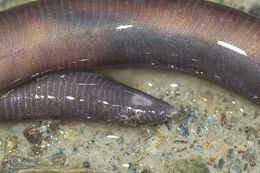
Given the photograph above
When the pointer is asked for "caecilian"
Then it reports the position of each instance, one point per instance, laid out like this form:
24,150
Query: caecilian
43,37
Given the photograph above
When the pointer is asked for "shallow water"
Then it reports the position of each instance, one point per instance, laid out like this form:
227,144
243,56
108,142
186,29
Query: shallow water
218,131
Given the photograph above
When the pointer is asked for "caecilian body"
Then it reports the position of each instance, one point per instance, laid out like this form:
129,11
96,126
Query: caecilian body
46,36
83,95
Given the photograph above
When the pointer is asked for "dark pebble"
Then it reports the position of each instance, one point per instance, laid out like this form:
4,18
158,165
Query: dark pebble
190,118
237,162
196,127
180,142
147,170
168,156
245,166
120,140
223,119
183,130
59,153
189,109
230,153
36,150
115,168
182,110
75,149
255,10
221,163
251,133
33,135
86,164
191,146
168,125
132,167
252,161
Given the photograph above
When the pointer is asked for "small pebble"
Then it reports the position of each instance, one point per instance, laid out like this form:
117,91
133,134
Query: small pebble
242,148
120,140
221,163
206,144
59,160
36,150
169,125
156,139
193,164
132,167
59,153
66,135
10,144
183,130
195,128
212,159
245,167
252,161
255,10
223,119
168,156
75,149
154,143
86,164
237,161
206,125
234,120
180,142
191,146
115,168
234,169
217,109
146,170
33,135
230,153
137,149
251,133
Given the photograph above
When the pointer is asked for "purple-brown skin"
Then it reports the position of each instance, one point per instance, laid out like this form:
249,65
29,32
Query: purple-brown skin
213,41
83,95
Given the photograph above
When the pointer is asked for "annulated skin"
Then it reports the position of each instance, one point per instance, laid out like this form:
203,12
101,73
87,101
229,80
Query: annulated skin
83,95
216,42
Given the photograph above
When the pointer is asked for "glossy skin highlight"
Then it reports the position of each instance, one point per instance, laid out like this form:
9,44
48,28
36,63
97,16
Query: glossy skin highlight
213,41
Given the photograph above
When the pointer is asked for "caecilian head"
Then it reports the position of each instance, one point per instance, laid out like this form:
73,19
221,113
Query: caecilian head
145,109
